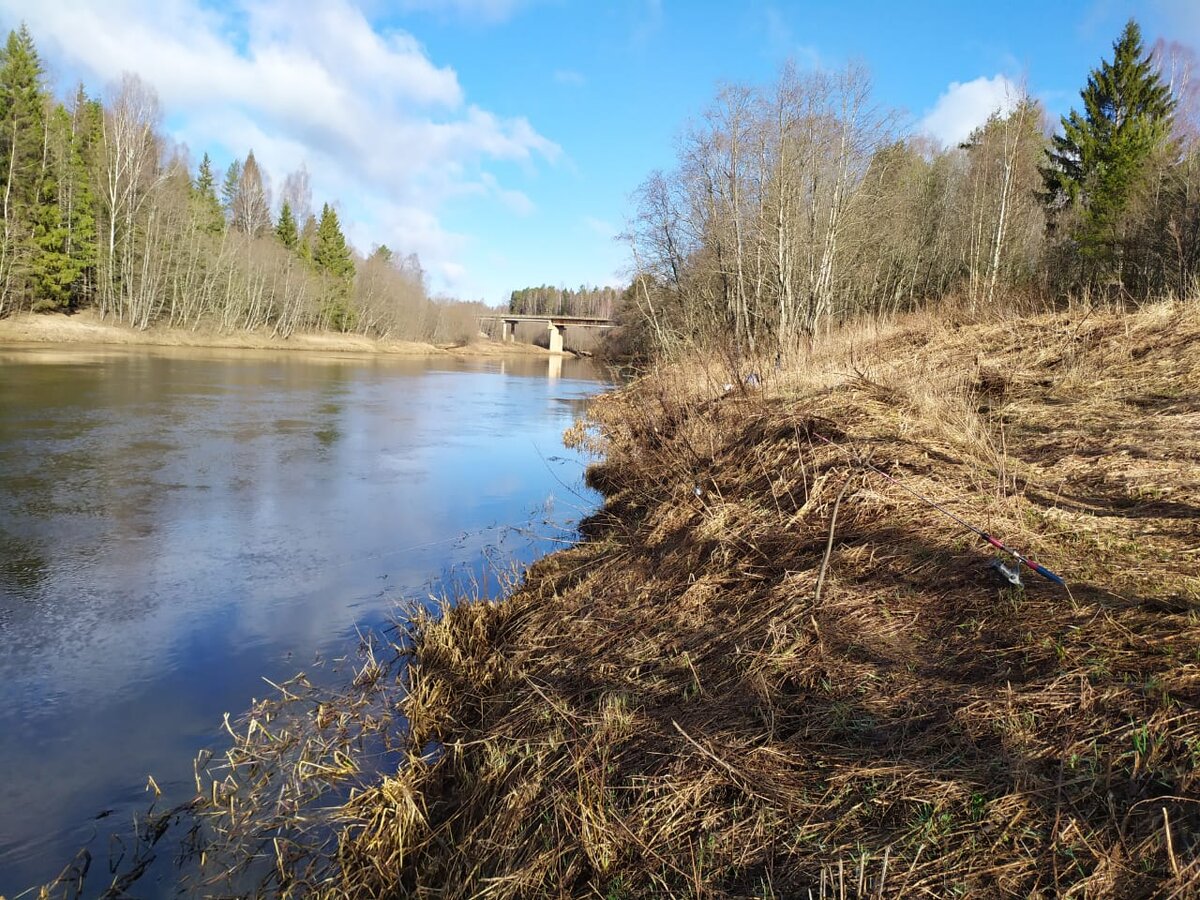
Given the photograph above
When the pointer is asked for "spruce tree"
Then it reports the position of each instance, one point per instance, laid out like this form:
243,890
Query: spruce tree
87,129
1098,161
332,253
64,231
204,190
331,256
230,188
308,239
25,177
285,231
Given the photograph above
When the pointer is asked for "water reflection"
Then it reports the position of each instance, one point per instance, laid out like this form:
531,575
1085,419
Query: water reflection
176,526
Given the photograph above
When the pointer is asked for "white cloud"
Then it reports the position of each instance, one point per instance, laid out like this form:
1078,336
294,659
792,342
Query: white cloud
964,106
382,128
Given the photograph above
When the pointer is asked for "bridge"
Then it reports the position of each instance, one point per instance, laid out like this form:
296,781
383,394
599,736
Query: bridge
556,325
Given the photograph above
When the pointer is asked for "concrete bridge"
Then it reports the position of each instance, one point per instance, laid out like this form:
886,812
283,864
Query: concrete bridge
556,325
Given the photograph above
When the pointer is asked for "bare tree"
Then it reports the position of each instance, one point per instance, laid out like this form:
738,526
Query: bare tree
129,175
297,193
250,208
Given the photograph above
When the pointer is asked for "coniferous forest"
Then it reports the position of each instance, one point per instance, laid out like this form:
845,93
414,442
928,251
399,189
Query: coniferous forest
101,210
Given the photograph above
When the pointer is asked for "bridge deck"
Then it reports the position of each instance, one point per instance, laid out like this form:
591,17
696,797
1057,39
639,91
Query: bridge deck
557,320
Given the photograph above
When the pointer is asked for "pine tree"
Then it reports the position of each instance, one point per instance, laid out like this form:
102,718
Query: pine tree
285,231
1098,161
208,208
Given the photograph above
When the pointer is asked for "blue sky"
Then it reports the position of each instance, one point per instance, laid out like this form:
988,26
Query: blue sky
501,139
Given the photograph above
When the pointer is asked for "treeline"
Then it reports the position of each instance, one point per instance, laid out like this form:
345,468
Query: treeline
101,210
796,205
555,301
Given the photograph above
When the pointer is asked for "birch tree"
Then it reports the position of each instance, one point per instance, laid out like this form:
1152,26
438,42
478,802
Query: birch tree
129,175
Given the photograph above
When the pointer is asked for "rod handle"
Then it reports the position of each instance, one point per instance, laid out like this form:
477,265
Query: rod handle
1036,566
1044,572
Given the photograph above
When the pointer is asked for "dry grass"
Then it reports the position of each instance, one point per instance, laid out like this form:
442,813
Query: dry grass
667,709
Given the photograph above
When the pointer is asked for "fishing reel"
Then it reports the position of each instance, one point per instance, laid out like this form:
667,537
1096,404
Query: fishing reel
1010,574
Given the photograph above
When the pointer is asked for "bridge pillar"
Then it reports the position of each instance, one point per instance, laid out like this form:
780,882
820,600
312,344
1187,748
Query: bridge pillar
556,337
509,334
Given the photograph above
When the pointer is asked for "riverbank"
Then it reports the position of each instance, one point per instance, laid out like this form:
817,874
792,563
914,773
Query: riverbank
769,671
88,328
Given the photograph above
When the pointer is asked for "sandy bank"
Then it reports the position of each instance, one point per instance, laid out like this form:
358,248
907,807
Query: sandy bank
87,328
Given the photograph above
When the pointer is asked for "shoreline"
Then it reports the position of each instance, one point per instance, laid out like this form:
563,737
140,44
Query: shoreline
86,328
756,633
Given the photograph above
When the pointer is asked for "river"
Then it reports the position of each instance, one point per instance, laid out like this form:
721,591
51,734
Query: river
176,526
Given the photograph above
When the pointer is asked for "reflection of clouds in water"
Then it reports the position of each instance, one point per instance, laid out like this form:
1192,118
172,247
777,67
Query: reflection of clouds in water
192,531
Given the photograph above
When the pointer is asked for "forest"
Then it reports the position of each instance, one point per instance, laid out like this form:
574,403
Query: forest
100,209
558,301
800,204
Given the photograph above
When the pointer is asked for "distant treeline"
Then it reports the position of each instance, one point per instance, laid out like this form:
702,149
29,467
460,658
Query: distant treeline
556,301
799,204
101,210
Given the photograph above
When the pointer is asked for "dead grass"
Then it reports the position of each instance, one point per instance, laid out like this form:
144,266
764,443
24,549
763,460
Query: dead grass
667,709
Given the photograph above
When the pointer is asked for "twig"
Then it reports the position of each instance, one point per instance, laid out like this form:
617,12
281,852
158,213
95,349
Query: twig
1170,843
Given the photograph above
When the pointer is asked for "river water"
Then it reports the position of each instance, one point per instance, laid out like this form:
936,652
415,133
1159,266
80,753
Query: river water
177,525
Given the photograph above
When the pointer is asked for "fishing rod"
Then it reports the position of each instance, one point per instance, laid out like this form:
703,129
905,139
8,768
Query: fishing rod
1012,575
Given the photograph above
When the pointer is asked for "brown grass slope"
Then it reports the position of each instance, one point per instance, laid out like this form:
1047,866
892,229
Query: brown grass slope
668,709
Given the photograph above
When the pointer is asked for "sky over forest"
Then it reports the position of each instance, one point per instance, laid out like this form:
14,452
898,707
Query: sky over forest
500,140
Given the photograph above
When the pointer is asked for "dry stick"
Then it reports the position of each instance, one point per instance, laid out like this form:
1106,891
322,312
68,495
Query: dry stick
829,543
1170,843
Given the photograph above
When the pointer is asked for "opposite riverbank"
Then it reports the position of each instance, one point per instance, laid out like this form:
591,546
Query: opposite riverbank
87,328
